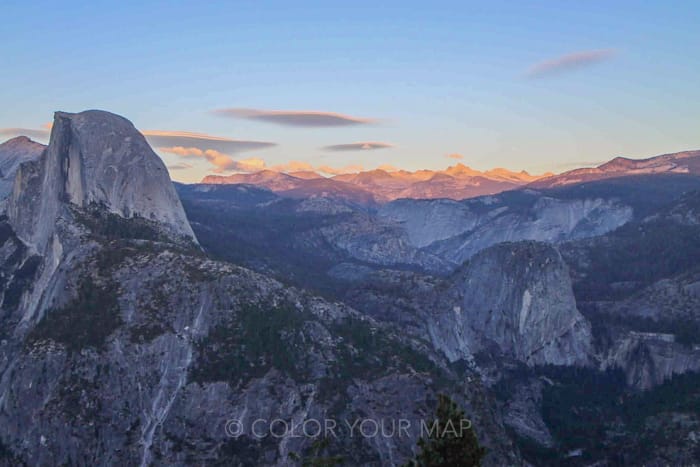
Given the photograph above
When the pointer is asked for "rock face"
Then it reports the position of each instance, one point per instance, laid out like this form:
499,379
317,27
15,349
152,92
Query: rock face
515,300
94,158
429,221
523,412
365,239
687,162
457,230
648,359
13,153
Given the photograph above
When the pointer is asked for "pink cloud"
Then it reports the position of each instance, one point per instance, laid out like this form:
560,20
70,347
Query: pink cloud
225,163
202,141
31,133
293,166
302,118
569,62
180,166
222,162
182,151
359,146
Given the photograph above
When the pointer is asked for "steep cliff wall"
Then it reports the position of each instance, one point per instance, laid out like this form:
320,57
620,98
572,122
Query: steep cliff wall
514,299
94,158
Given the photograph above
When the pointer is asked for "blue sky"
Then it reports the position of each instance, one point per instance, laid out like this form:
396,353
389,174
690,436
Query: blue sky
430,78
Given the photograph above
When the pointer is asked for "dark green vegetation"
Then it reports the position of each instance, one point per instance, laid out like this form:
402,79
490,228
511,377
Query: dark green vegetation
86,321
636,254
267,239
317,455
17,273
255,340
450,442
367,353
6,231
646,194
105,224
107,227
595,413
686,332
241,451
21,282
7,457
259,338
142,334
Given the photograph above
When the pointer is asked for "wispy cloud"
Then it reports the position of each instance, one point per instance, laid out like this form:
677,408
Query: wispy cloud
180,166
569,62
222,162
32,133
455,156
253,164
293,166
361,146
302,118
579,164
186,139
297,166
182,151
388,168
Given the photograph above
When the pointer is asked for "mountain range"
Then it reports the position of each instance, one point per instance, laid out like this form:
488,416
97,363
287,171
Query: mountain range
377,186
141,320
456,182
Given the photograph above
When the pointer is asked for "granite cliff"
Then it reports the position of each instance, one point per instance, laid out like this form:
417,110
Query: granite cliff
514,300
94,158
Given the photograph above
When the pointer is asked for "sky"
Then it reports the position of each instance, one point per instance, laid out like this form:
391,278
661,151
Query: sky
220,87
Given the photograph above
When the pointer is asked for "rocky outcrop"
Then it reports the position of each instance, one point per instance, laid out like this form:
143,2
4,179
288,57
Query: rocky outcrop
687,162
648,359
364,238
456,231
429,221
13,153
514,299
523,412
94,158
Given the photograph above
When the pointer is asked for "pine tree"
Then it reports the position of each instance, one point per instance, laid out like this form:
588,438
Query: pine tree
451,440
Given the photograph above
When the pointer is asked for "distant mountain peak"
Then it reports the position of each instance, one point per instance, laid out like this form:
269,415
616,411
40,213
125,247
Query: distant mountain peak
21,139
457,182
461,170
686,162
618,164
305,174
